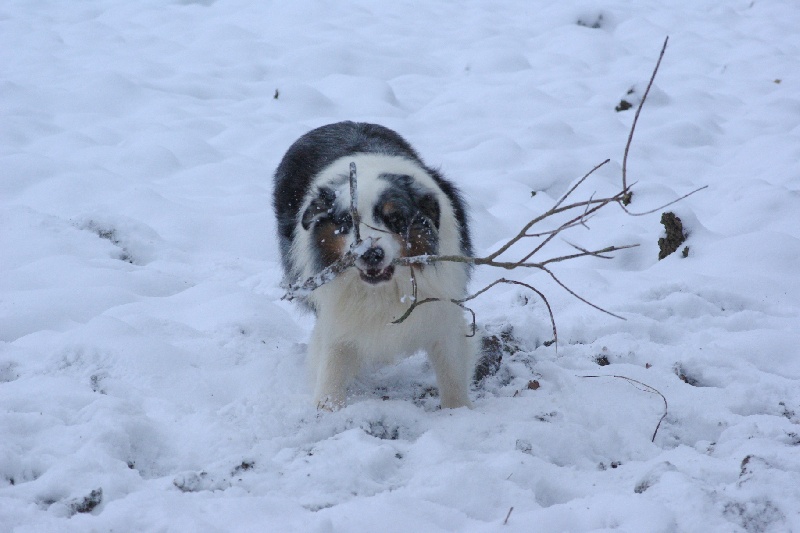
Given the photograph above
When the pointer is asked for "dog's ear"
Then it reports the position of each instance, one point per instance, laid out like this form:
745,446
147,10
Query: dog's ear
319,208
429,207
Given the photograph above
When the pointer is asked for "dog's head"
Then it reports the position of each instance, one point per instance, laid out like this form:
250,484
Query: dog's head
399,218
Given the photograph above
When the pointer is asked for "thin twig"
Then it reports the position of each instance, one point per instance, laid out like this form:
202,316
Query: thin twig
579,297
322,277
534,289
651,211
586,216
561,228
460,302
577,184
413,285
474,318
600,204
627,198
552,211
508,265
354,214
647,388
505,522
588,252
416,303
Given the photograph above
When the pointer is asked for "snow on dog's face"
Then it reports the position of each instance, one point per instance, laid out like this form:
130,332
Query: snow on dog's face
399,218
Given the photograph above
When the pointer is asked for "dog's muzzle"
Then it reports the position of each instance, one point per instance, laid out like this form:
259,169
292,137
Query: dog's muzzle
370,266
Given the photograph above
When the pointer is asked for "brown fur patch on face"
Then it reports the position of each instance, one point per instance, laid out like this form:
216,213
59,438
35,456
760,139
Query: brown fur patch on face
420,240
330,241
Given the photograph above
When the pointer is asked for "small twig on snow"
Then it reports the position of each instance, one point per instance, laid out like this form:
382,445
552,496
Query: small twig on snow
505,522
647,388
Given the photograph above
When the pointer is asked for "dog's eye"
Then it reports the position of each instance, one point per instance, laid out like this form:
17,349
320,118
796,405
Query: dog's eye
396,222
319,209
392,214
343,223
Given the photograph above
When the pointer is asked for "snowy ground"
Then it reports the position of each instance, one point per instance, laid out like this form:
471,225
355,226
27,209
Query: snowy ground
152,380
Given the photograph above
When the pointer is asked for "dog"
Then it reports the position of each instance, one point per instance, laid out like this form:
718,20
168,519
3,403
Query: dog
407,209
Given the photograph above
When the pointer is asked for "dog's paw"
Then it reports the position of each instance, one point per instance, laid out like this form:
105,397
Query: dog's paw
454,401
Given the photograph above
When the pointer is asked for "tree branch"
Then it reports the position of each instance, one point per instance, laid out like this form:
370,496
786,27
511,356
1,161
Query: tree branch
579,212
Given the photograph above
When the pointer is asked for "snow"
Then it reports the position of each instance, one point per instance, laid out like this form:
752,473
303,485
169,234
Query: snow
152,379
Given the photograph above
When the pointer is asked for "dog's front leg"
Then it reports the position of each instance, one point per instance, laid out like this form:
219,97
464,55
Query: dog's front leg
453,359
334,365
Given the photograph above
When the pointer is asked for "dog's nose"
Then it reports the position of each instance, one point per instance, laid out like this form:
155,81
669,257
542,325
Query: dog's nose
373,256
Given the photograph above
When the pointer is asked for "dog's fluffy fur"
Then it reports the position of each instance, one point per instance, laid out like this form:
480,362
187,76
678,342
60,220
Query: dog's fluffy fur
407,209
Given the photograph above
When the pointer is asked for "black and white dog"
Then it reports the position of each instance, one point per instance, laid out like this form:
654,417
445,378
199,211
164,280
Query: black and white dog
407,209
